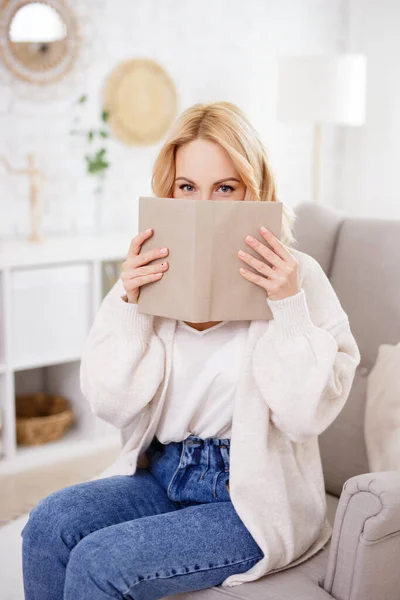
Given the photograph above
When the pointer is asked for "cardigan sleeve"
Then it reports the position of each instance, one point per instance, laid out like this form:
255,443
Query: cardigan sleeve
304,364
122,362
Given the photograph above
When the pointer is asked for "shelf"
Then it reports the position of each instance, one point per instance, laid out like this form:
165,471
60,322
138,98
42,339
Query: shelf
47,363
70,445
49,295
16,254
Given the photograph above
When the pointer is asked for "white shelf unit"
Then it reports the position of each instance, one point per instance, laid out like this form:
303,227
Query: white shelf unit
49,295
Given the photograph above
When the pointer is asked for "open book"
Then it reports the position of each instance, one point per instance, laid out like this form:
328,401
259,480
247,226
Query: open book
203,282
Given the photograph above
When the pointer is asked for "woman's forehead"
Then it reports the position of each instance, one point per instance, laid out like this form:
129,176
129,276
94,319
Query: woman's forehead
204,159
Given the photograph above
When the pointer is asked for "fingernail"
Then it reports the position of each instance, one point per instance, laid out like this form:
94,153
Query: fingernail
249,238
264,229
148,230
163,250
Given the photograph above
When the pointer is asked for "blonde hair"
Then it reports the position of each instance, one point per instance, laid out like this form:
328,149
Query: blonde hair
226,124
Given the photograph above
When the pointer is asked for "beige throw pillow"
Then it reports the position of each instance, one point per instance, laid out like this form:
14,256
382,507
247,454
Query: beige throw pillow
382,413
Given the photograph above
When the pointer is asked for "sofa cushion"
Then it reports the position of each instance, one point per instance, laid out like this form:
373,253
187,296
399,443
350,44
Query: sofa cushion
342,444
382,412
360,257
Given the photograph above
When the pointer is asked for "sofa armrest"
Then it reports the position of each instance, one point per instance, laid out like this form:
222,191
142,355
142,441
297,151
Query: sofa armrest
363,561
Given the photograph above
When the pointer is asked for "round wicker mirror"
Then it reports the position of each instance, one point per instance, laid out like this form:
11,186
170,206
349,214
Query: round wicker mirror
141,100
39,41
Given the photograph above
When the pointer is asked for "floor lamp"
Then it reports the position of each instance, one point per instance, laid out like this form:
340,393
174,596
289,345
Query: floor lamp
322,89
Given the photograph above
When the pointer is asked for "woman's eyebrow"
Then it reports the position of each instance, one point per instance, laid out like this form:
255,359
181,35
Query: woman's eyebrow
215,183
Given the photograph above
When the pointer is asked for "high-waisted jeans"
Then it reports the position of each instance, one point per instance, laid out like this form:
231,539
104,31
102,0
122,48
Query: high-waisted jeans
169,528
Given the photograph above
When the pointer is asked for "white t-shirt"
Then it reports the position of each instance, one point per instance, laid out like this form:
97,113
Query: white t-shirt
205,369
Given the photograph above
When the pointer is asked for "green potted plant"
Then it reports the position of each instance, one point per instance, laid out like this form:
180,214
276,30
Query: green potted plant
96,159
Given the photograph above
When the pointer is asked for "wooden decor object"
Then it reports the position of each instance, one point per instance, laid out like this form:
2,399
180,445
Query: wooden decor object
141,100
36,180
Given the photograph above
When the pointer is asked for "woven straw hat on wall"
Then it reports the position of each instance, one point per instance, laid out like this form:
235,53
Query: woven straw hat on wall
141,99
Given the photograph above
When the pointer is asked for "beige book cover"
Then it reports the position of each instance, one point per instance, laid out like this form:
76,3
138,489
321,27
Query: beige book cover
203,282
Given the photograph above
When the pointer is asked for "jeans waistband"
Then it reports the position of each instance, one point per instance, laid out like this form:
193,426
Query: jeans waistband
193,440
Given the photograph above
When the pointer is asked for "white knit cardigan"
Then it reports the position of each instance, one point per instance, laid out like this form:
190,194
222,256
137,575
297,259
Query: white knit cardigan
296,376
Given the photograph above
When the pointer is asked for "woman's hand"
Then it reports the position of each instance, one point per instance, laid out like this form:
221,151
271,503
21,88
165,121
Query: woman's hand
282,279
135,273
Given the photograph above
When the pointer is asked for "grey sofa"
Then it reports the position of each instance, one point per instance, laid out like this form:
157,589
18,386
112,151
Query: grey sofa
361,561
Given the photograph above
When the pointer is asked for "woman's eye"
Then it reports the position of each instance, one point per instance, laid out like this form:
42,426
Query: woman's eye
224,188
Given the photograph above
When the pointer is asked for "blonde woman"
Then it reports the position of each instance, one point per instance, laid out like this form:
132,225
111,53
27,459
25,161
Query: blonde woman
220,480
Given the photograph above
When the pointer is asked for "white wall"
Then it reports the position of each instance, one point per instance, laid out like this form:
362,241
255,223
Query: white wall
369,184
214,50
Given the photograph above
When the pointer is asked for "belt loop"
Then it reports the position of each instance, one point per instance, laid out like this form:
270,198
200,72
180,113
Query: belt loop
225,457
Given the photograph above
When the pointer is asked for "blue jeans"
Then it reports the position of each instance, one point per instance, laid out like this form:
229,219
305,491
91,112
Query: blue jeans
167,529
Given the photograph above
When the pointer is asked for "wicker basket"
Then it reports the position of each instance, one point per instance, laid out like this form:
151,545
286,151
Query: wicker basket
41,418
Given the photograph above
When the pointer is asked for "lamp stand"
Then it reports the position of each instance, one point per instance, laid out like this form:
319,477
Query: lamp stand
317,162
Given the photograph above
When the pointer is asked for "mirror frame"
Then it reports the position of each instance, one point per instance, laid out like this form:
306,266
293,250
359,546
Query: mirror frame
8,9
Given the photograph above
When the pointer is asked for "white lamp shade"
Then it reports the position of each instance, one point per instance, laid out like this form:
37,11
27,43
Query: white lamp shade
322,89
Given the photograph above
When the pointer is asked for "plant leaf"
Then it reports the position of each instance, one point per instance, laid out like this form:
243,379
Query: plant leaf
82,99
96,163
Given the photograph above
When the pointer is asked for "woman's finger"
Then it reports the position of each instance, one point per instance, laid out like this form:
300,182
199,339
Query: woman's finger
261,267
137,241
264,251
145,257
137,282
146,270
278,246
254,278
